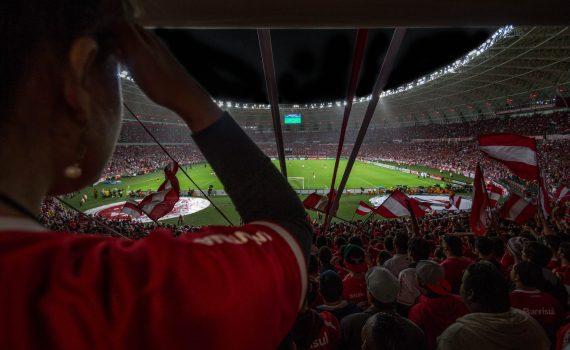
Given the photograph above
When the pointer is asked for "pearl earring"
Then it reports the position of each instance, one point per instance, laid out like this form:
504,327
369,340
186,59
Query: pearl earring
73,171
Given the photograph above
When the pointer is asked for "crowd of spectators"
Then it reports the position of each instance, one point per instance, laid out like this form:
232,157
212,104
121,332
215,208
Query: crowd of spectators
137,154
57,217
141,159
530,125
378,284
458,157
170,130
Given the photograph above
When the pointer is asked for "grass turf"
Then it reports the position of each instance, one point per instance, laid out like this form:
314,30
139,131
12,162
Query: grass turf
317,174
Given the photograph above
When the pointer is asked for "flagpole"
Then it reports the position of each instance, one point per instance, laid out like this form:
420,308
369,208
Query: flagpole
369,217
414,219
541,196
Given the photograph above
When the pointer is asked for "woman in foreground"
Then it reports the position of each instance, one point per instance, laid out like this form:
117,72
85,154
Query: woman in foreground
60,115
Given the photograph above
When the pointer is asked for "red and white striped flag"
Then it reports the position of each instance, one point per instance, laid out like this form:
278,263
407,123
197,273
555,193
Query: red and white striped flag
396,205
562,194
160,203
543,198
316,202
131,208
478,220
495,193
422,205
454,201
363,209
517,209
518,153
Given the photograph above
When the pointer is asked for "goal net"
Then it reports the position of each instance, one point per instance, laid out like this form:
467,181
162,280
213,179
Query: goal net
297,182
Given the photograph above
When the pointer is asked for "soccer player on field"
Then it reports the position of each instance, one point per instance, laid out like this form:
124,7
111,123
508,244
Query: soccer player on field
60,116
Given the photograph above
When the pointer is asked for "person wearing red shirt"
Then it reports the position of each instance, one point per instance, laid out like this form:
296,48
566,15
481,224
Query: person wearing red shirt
455,264
437,308
563,336
329,336
354,283
513,254
60,116
563,270
315,330
331,291
541,306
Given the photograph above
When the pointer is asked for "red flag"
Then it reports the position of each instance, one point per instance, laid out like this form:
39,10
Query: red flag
516,152
517,209
478,220
131,208
495,193
160,203
363,209
543,197
397,204
454,201
422,205
316,202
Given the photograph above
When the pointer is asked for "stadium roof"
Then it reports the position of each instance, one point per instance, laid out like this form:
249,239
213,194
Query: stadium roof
516,66
351,14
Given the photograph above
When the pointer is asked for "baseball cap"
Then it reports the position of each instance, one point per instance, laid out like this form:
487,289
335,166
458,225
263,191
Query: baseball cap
382,284
432,276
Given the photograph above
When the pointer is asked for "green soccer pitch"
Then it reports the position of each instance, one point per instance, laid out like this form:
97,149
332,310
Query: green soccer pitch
316,174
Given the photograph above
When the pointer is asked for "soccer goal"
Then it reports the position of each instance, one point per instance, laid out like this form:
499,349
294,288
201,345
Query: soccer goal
297,181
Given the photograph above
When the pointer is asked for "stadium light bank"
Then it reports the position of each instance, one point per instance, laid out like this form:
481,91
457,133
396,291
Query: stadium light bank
452,68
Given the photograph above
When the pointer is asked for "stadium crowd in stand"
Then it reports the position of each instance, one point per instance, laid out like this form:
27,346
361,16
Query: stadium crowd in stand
456,157
378,285
171,130
447,155
533,125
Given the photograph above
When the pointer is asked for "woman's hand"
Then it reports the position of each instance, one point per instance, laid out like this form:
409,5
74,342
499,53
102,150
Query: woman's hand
162,78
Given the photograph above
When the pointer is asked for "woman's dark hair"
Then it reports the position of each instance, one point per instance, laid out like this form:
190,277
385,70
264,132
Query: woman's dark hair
26,27
330,286
401,243
498,247
325,255
484,246
419,249
490,290
529,274
537,253
454,245
389,243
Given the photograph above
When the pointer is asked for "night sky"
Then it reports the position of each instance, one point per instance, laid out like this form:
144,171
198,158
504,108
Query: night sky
311,65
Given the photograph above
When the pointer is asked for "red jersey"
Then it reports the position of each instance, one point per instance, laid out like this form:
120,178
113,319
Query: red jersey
541,306
329,336
354,289
553,264
454,268
221,288
563,337
434,315
563,273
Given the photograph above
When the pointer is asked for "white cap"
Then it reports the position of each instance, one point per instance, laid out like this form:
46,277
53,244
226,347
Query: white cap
382,284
